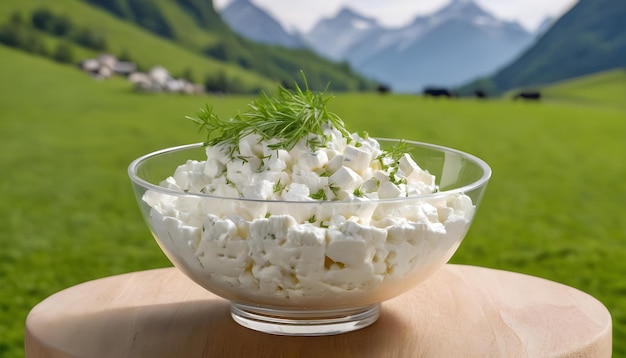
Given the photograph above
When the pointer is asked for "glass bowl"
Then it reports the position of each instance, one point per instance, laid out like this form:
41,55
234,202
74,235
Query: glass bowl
310,267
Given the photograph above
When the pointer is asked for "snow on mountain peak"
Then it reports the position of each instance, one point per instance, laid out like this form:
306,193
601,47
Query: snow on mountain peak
462,9
361,24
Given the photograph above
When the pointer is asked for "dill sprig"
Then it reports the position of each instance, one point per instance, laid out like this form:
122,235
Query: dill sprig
395,153
286,118
390,161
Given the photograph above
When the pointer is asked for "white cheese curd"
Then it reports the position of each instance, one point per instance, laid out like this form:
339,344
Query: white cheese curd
339,239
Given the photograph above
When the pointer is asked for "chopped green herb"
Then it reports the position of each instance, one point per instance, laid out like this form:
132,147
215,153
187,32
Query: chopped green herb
278,187
390,161
244,159
358,193
395,153
319,195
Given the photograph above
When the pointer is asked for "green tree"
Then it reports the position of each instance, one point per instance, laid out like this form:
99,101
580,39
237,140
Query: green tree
61,25
188,75
43,19
63,52
90,39
124,56
216,83
22,37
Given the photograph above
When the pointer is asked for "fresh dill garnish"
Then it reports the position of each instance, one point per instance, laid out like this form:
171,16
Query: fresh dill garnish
319,195
279,187
286,118
261,165
393,155
390,161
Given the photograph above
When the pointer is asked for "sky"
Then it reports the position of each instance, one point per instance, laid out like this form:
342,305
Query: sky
303,15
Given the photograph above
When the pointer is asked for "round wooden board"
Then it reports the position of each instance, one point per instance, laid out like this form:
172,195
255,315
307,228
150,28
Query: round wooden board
462,311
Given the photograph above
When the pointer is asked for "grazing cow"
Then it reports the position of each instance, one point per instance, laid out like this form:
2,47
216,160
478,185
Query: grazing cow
437,92
528,95
383,89
480,93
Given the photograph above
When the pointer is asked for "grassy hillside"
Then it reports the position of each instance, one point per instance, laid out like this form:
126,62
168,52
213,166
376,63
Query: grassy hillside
187,32
602,89
554,207
590,38
142,46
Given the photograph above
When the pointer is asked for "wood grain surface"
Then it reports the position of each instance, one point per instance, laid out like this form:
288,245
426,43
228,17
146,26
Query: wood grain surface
462,311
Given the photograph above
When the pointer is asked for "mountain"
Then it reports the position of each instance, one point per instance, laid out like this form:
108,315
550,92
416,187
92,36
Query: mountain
452,46
589,38
251,22
334,37
545,25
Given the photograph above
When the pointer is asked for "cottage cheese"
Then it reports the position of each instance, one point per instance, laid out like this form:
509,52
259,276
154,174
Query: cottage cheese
275,248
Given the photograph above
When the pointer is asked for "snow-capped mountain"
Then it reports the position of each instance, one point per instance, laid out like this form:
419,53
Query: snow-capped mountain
254,23
450,47
333,37
453,46
545,25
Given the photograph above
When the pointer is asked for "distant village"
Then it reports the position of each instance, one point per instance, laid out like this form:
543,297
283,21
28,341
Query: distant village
157,79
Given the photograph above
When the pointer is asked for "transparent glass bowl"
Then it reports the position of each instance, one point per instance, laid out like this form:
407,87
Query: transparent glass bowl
310,267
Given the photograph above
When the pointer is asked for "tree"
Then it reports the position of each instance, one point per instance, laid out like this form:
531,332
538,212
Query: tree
188,75
90,39
124,56
61,25
63,52
216,83
43,19
22,37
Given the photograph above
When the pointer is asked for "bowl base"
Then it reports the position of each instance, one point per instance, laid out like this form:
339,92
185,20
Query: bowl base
304,322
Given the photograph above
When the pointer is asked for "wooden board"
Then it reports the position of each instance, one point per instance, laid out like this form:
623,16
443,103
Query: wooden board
462,311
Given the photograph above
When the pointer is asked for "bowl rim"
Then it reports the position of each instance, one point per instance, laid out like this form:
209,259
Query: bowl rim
482,181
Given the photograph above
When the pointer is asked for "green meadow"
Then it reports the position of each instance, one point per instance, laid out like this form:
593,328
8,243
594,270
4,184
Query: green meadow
555,207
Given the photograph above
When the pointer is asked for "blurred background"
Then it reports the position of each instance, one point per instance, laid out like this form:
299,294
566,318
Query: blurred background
535,88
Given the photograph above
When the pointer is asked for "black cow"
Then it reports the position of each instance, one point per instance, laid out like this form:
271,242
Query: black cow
437,92
528,95
479,93
384,89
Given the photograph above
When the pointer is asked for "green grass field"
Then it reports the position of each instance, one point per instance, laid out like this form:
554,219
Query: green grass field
554,207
